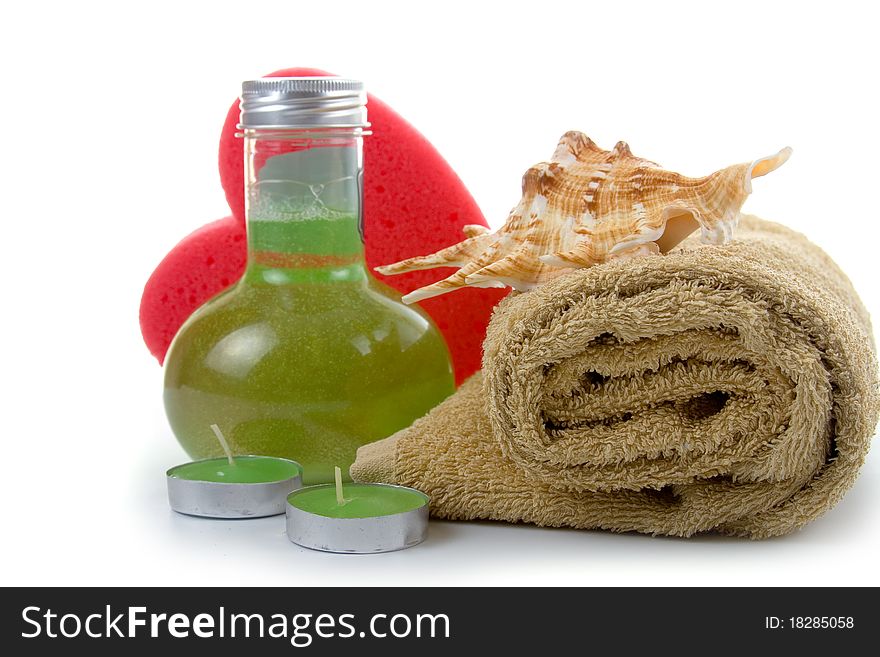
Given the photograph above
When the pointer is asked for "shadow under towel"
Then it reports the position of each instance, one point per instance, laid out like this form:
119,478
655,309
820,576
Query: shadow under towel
730,388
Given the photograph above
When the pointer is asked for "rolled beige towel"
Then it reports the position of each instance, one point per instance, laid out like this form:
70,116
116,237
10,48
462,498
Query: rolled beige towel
729,388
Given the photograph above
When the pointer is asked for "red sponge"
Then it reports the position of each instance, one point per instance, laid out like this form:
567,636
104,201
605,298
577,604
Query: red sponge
414,203
202,264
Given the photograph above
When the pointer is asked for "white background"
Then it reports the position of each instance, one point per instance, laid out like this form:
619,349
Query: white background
111,118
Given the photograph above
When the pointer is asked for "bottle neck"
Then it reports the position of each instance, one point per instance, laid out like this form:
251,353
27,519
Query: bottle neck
303,192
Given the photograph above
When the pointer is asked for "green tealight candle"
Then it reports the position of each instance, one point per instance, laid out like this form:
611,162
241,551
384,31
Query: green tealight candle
232,487
243,470
361,500
357,518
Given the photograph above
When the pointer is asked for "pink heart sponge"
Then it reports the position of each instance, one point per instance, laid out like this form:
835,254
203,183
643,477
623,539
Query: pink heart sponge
414,203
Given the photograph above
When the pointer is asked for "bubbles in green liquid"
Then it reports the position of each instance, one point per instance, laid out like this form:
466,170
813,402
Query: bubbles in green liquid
307,364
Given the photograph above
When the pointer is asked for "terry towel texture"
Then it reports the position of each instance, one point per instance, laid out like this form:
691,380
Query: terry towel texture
729,388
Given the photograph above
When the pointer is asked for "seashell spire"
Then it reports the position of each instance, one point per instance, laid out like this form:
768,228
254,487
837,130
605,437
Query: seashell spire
586,206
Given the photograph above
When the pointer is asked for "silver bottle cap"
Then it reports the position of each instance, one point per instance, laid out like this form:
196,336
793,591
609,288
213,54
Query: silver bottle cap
317,102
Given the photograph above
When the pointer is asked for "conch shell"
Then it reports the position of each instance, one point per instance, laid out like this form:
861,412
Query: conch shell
586,206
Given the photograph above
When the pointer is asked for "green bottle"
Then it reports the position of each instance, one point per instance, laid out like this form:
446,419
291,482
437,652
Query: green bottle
307,357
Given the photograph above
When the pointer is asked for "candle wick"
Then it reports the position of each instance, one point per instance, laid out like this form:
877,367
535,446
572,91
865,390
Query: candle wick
339,497
222,440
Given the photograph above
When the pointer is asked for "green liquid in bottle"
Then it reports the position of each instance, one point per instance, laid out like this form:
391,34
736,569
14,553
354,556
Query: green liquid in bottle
308,357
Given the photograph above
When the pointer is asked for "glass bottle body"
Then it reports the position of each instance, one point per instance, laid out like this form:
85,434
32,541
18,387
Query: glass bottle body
308,356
